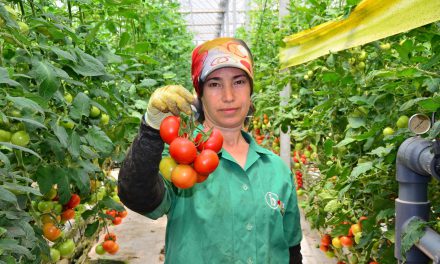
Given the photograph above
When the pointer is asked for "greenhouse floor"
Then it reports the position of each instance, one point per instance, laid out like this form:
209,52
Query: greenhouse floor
141,241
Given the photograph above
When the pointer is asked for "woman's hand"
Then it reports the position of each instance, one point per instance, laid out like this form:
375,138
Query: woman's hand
168,100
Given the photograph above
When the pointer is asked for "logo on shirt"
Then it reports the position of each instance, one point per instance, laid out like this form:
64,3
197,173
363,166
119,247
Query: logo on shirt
272,200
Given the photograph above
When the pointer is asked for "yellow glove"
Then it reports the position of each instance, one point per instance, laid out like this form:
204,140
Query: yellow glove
165,101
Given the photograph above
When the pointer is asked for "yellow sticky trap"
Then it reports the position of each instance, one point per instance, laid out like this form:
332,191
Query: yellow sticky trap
370,20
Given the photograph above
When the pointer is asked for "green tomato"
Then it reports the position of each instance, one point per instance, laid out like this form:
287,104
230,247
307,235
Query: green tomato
45,206
66,248
99,250
57,208
388,131
330,254
116,198
68,97
20,138
5,136
402,122
11,11
69,124
357,237
166,167
24,28
94,112
105,119
55,254
52,193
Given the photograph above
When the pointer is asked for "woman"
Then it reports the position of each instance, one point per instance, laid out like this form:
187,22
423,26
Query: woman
246,211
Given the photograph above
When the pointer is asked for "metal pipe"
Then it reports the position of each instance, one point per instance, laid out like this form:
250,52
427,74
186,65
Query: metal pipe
430,245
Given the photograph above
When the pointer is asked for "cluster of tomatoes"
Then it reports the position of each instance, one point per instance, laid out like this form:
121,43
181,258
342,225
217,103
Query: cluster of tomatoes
299,179
109,245
192,159
116,216
329,245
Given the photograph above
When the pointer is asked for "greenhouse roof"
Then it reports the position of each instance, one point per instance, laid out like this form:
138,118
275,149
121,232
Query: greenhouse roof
209,19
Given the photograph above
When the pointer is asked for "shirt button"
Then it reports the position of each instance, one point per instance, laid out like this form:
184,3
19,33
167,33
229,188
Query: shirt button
249,226
250,260
245,187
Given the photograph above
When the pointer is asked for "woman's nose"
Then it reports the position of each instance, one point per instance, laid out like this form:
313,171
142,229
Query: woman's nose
228,93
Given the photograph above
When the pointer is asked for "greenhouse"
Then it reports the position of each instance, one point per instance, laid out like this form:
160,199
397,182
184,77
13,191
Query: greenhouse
220,131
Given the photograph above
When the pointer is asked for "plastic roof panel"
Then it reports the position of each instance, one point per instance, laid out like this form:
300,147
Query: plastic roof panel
209,19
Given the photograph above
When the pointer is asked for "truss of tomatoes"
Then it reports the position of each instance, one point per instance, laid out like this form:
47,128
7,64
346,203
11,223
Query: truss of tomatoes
191,160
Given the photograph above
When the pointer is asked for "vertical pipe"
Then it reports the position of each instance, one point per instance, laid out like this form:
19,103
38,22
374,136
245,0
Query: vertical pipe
284,94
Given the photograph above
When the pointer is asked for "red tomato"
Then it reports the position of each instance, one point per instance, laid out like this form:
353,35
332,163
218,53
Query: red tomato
326,240
122,214
108,245
169,129
111,213
346,241
201,178
117,220
214,142
74,201
68,214
110,236
184,176
51,232
114,249
206,162
183,151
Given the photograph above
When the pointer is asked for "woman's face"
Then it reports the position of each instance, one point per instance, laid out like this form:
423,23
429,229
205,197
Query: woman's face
226,98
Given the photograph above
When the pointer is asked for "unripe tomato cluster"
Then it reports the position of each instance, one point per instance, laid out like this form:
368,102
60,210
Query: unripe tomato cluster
331,245
192,159
116,216
109,245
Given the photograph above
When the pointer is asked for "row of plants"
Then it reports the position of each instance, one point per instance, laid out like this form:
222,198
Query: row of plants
354,107
75,77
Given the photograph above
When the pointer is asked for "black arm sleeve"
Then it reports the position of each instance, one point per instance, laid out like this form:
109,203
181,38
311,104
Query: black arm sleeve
140,186
295,254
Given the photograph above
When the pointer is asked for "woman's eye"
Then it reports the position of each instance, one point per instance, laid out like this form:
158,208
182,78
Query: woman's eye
240,82
213,84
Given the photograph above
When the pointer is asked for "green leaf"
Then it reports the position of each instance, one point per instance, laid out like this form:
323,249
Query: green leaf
148,83
61,134
20,188
81,180
168,75
142,47
435,130
430,104
91,229
62,180
99,140
12,246
44,177
125,38
328,147
356,122
7,196
381,151
74,145
88,153
109,203
140,104
332,206
345,142
4,78
29,121
87,65
5,160
12,146
80,106
46,77
361,168
410,104
22,102
412,234
63,54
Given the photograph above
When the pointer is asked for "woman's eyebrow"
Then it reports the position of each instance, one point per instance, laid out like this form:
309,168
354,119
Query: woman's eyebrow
239,76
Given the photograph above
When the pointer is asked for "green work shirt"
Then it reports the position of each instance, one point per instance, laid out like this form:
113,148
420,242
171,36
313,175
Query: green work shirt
237,215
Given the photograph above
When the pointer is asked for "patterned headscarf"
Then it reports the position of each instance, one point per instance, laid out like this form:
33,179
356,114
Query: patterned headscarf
216,54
